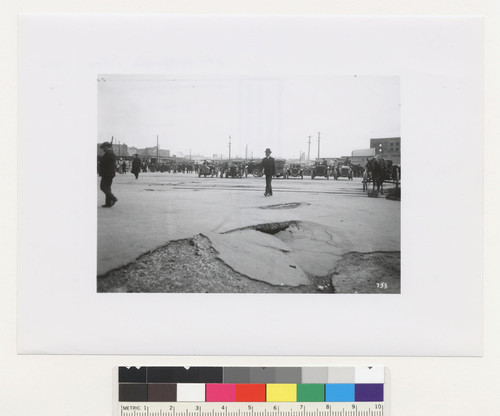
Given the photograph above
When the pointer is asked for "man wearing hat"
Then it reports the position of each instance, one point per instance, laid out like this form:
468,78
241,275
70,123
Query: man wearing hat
107,169
269,168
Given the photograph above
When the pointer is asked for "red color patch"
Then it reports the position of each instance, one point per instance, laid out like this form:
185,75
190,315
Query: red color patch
250,392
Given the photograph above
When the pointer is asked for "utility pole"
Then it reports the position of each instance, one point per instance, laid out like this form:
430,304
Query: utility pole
300,156
309,150
318,143
246,152
157,149
229,149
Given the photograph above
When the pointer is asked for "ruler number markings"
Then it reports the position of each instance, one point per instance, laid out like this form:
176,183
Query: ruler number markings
263,409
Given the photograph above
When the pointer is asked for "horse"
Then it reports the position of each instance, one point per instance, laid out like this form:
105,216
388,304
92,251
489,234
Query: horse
376,168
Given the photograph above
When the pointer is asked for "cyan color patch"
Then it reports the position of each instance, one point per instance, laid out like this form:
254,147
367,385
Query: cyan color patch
339,392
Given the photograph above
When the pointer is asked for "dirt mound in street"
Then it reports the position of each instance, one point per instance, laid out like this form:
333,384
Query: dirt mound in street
377,272
192,266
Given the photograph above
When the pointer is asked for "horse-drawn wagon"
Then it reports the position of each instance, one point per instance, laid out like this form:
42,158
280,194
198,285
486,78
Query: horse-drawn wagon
380,171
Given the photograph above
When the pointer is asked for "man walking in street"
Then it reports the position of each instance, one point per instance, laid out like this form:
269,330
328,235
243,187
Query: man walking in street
107,169
269,168
136,166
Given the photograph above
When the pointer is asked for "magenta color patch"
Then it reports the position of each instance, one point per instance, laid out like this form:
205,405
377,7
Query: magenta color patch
221,392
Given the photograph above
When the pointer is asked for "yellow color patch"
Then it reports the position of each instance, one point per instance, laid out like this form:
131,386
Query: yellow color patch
281,392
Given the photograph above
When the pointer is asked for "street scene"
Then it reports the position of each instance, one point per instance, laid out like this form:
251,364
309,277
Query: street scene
248,185
184,233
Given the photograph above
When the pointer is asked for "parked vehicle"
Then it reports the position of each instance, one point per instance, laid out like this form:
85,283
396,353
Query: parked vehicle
254,168
281,171
307,170
206,169
320,169
343,171
295,170
234,170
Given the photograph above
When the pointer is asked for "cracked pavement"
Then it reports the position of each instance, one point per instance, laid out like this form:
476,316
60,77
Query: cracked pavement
327,219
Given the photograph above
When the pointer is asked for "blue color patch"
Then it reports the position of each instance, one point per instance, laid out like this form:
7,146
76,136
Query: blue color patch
339,392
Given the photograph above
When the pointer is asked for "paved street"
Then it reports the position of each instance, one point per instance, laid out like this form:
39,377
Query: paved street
302,232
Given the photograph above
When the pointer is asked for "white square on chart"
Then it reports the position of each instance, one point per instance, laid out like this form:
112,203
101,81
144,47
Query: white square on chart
191,392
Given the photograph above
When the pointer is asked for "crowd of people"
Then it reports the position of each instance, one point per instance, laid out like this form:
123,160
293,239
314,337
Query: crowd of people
139,165
108,164
123,165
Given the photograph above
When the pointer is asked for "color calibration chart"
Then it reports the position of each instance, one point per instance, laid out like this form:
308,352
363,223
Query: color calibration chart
252,391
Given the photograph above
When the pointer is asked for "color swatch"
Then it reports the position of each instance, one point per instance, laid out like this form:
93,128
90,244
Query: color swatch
251,384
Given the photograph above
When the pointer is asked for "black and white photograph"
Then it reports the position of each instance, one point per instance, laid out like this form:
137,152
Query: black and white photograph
183,181
246,184
198,178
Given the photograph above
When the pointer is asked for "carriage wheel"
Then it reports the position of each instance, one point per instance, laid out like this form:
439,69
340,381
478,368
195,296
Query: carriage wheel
256,173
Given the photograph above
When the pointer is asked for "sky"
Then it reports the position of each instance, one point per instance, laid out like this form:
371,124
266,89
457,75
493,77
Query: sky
202,116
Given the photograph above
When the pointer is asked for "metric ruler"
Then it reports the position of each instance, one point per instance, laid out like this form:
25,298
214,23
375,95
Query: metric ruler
252,409
251,391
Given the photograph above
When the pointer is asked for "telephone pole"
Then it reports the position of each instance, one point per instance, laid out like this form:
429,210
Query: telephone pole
318,143
229,149
309,150
157,149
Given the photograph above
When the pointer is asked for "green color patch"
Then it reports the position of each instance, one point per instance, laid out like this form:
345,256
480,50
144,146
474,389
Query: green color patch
310,392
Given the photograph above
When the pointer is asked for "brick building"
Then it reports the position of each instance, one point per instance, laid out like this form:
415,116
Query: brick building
389,148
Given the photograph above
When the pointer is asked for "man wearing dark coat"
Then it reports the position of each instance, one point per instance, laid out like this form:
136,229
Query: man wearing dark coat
107,169
136,166
269,168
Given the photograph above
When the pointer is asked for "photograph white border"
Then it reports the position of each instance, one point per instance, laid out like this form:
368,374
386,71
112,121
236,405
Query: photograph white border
439,311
